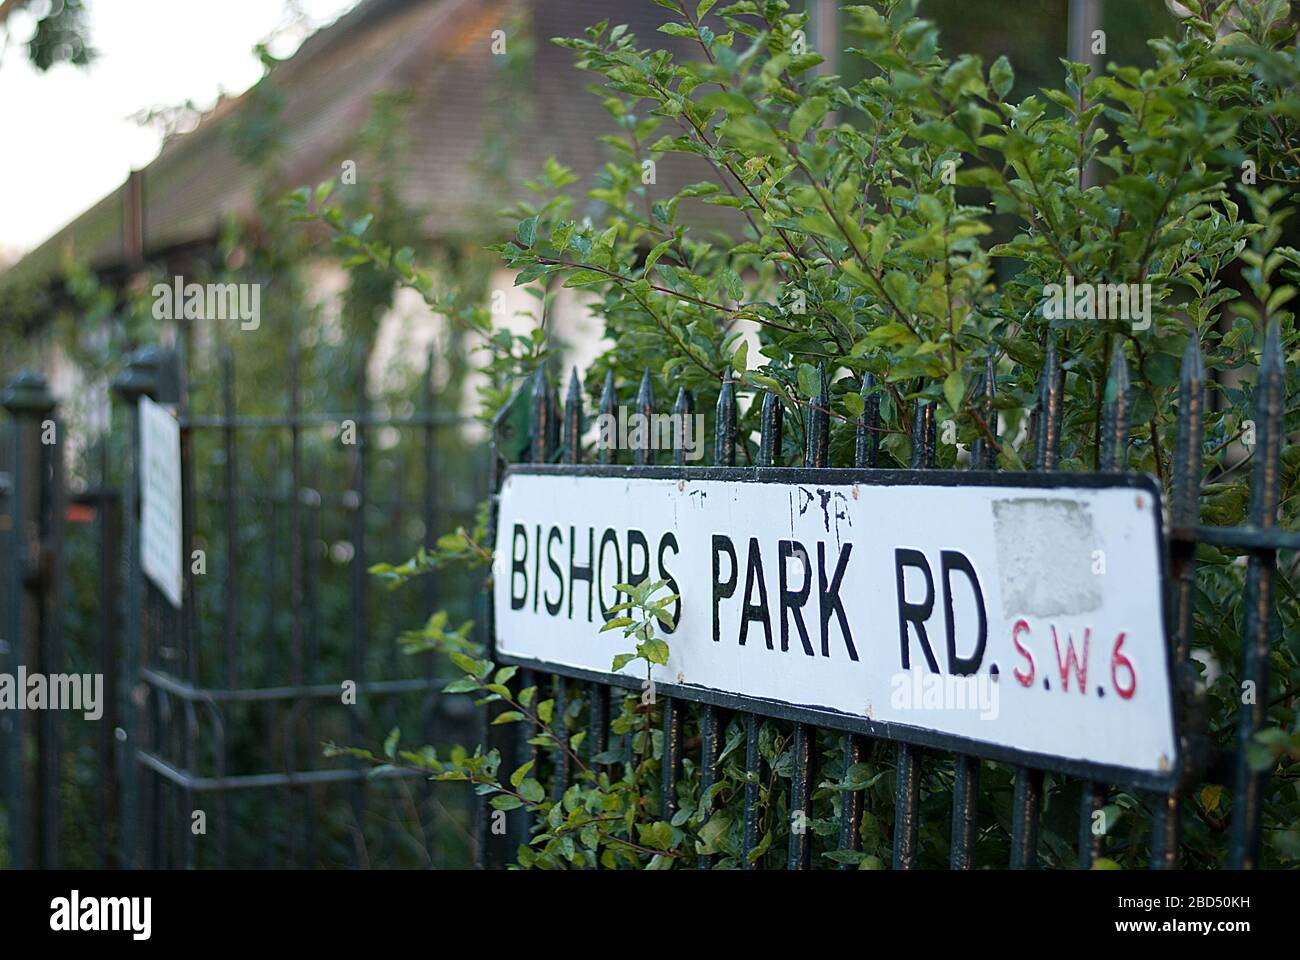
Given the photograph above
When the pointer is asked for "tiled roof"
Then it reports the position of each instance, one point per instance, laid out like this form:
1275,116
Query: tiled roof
438,49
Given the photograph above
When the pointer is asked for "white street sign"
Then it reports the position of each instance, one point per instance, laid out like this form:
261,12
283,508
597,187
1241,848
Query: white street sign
160,498
1016,618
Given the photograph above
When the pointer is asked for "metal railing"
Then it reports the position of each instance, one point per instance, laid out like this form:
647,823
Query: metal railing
555,433
232,695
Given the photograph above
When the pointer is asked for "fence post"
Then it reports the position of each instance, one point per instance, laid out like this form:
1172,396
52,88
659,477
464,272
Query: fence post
31,625
907,780
1027,797
1113,452
1184,511
1259,621
866,449
511,428
817,455
140,378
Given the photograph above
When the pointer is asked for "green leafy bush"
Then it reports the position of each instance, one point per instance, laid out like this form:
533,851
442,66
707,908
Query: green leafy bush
907,228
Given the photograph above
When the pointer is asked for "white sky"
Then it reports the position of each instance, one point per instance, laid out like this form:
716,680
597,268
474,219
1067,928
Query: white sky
65,137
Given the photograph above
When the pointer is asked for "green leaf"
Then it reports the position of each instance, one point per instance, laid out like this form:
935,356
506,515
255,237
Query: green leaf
361,224
532,791
713,832
880,237
810,380
733,104
517,777
390,743
740,360
582,278
854,857
658,835
526,232
466,663
809,114
505,673
1001,76
654,650
752,134
954,390
901,287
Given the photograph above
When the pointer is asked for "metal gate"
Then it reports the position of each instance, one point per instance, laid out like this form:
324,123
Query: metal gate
208,752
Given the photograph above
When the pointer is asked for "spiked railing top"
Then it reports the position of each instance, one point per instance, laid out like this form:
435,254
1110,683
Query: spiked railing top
572,441
643,455
1114,440
770,425
543,418
923,435
866,447
1047,448
1188,444
608,401
984,454
683,409
818,453
724,450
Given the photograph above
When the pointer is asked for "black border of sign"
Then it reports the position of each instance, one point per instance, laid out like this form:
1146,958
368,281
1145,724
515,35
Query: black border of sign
849,723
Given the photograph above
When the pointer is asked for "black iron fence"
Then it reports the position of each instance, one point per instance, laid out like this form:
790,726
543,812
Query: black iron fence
208,750
694,718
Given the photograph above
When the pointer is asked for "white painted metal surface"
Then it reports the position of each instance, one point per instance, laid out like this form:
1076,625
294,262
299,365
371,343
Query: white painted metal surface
890,584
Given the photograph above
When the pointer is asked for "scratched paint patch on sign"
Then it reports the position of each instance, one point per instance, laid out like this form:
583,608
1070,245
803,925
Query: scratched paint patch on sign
921,606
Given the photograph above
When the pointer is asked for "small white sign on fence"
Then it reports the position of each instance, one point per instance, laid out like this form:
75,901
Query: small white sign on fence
160,498
1017,617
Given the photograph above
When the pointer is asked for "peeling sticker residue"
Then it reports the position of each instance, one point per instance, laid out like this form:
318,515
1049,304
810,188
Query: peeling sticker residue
1044,549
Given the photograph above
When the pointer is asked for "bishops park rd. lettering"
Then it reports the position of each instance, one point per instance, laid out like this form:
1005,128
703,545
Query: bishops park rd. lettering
834,590
582,565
